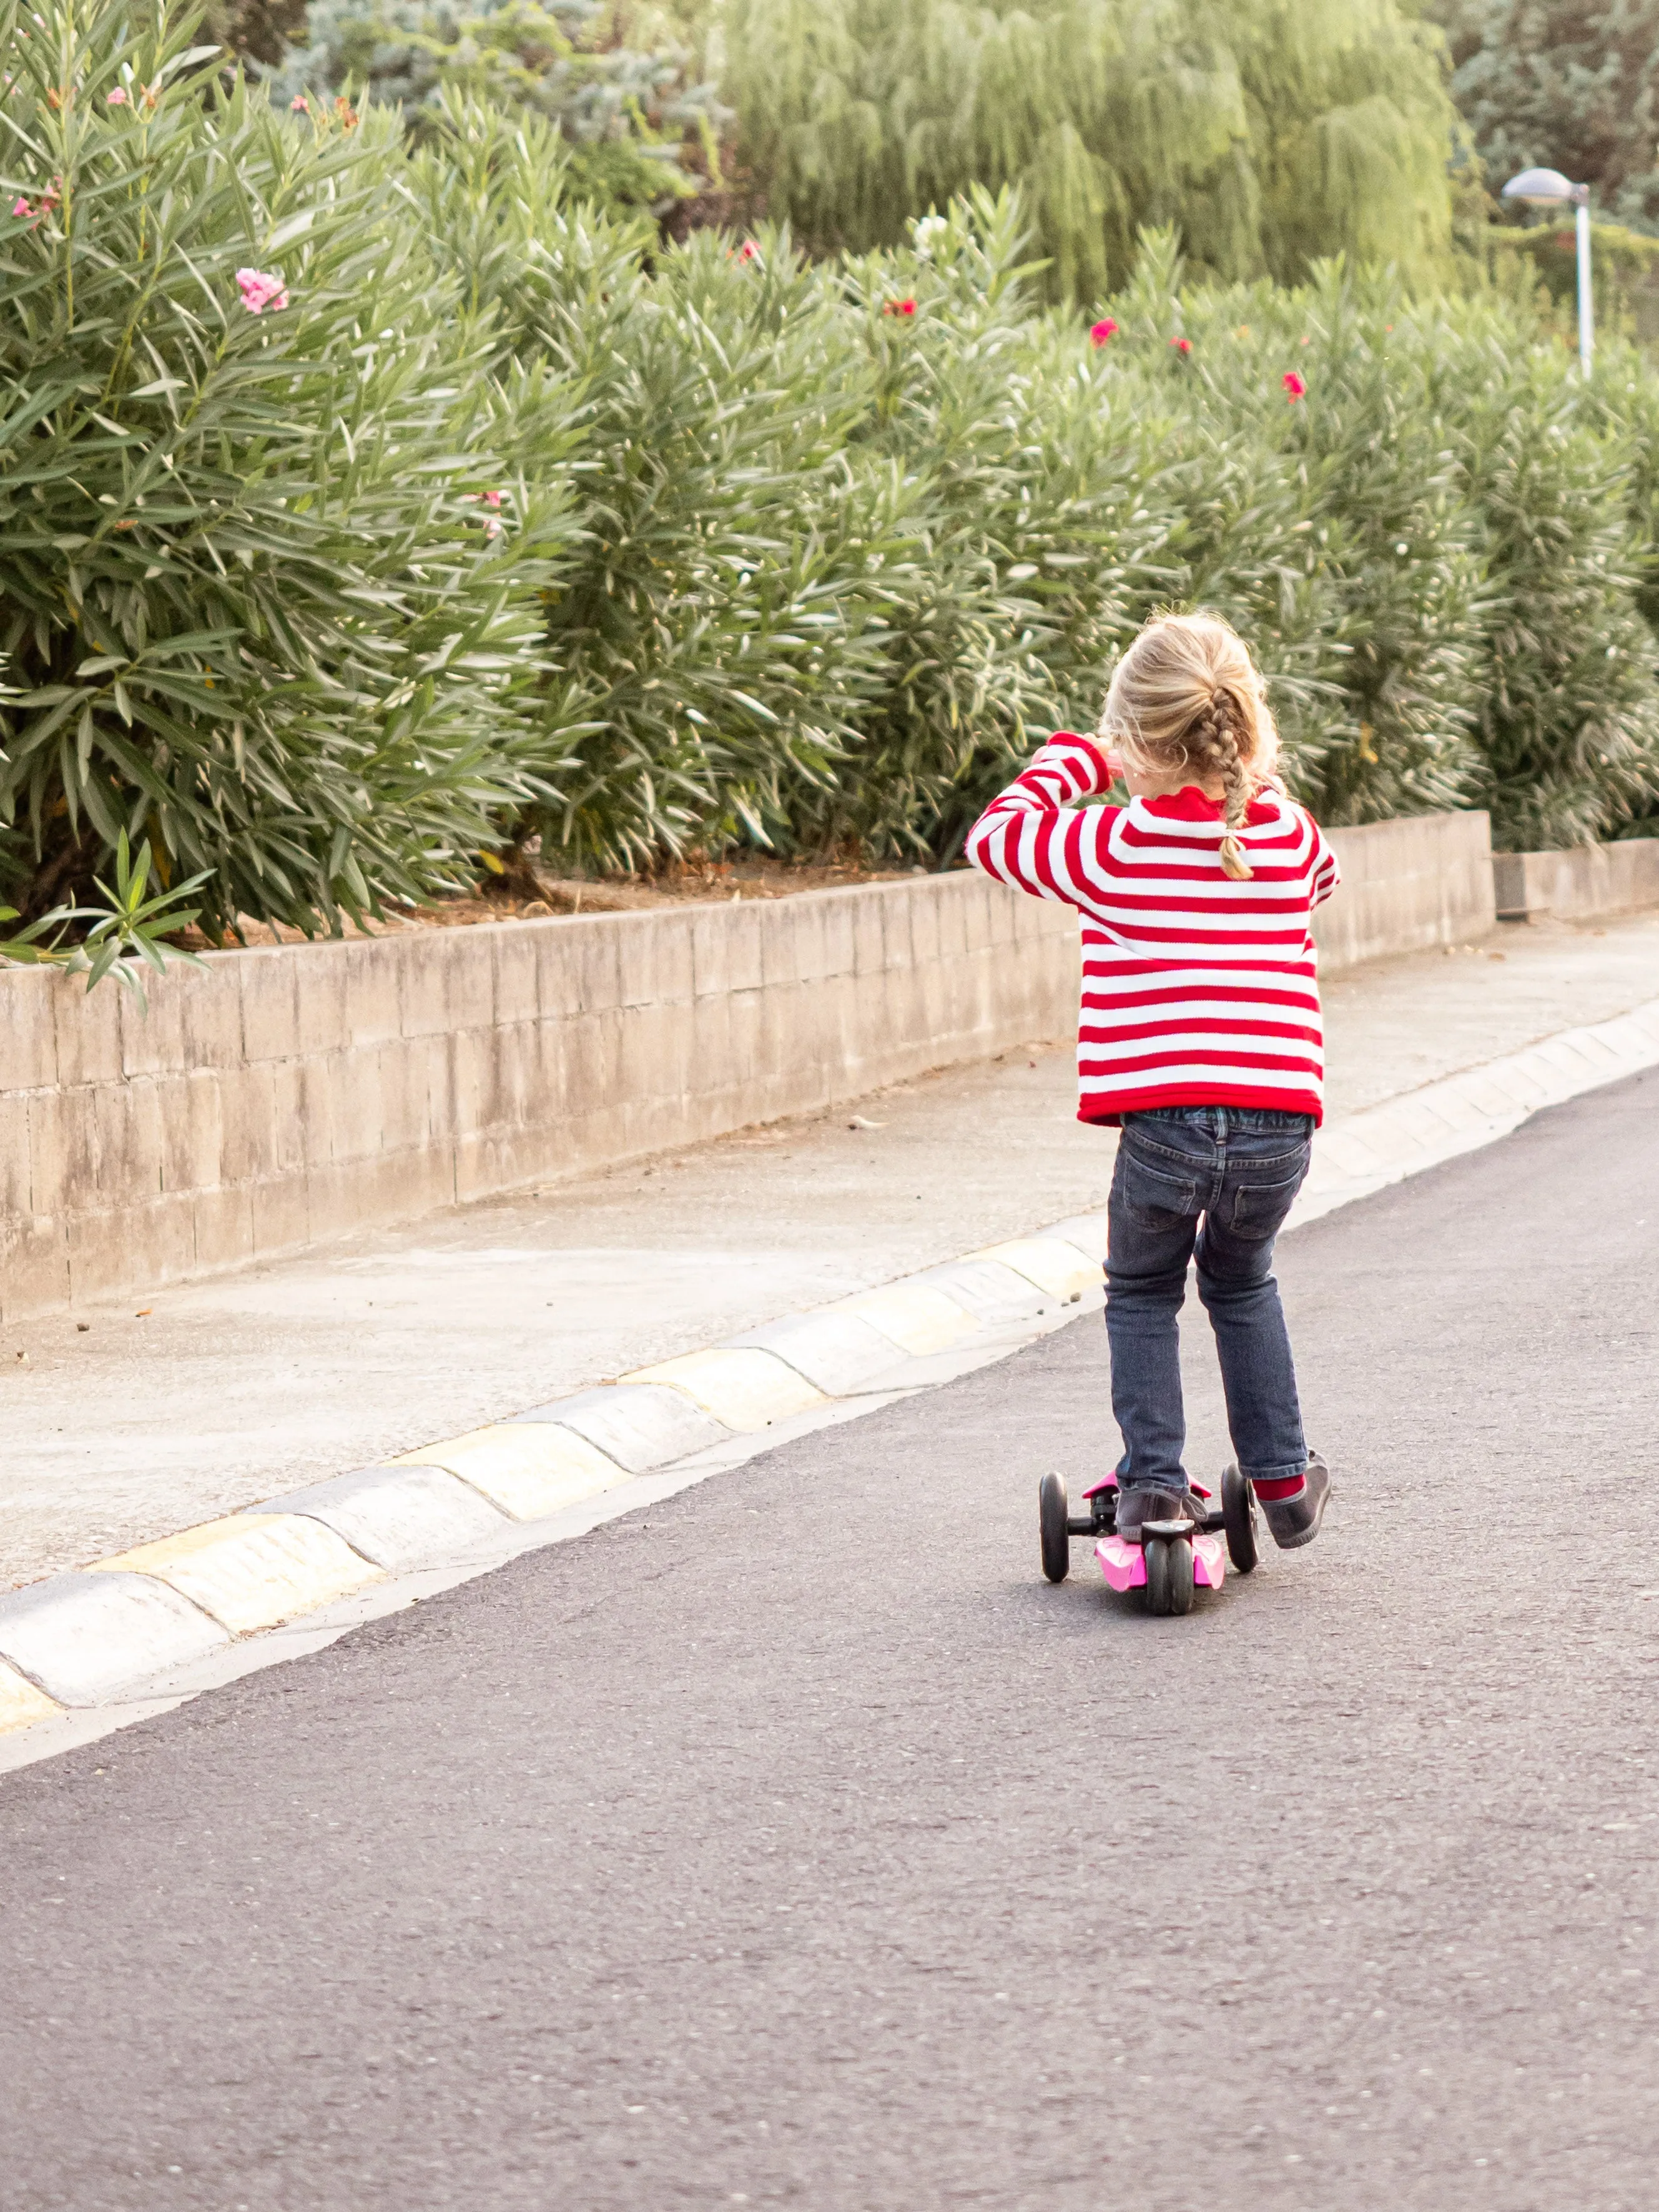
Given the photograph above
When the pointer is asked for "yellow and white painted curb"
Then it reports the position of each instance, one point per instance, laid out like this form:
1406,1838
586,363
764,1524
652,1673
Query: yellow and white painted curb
90,1648
104,1635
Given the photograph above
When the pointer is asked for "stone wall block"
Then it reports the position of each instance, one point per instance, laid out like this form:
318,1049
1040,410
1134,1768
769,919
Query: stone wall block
270,1004
399,1082
28,1022
248,1106
221,1224
62,1150
898,945
130,1249
637,942
869,935
710,934
517,997
426,981
34,1265
745,921
468,974
443,1120
840,938
192,1131
324,1023
288,1100
14,1200
953,906
152,1028
581,1059
127,1131
316,1107
923,905
594,965
743,1017
210,1012
813,958
282,1214
373,972
477,1069
88,1031
710,1033
785,935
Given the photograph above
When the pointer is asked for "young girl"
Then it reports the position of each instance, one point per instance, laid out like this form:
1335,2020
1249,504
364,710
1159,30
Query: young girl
1200,1036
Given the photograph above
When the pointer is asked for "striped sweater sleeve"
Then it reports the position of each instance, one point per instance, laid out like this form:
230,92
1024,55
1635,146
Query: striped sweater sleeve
1032,835
1326,875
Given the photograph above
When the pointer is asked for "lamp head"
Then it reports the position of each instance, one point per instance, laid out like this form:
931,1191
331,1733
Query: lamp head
1545,188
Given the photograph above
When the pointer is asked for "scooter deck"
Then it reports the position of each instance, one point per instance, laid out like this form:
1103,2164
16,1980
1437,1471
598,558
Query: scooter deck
1124,1565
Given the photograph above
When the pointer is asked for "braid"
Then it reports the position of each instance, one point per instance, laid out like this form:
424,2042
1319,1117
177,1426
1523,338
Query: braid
1214,745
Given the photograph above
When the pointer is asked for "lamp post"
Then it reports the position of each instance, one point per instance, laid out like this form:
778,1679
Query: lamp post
1549,188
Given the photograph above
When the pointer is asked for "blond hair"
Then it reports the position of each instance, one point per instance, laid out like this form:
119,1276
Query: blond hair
1188,694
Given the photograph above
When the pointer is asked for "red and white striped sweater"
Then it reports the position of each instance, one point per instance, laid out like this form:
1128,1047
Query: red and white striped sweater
1198,990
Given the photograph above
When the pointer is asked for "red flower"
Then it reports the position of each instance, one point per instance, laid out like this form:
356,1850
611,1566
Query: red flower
1293,384
749,251
1101,334
900,307
1181,345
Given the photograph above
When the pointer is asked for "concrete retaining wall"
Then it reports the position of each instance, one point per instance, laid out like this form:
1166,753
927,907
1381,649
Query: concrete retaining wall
270,1098
273,1098
1589,880
1406,885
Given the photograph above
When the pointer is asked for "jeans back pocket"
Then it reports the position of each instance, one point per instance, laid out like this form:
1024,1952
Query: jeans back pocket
1154,1197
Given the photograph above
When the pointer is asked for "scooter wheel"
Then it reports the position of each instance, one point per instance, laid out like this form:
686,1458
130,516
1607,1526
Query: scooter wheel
1051,1519
1156,1550
1241,1516
1180,1574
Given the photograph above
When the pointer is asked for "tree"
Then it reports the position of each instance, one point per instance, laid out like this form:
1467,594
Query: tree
1565,84
1268,133
624,112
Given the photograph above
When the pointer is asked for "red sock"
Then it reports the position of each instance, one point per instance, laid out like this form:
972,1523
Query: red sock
1270,1492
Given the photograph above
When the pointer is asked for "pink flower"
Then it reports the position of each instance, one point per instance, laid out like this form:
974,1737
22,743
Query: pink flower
749,251
900,307
1181,345
1101,334
19,206
1293,384
260,290
299,105
491,498
115,98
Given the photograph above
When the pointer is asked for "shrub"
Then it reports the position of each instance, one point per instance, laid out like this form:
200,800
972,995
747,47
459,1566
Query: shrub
253,611
1567,721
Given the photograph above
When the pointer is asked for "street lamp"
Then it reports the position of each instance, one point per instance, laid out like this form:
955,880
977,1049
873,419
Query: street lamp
1549,188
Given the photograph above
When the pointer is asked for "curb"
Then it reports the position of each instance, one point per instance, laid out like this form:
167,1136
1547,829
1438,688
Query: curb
98,1638
92,1637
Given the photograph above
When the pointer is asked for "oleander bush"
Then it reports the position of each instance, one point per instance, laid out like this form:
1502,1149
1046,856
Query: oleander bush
253,610
378,510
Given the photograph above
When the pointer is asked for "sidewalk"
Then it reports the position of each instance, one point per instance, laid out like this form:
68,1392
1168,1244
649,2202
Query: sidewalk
118,1427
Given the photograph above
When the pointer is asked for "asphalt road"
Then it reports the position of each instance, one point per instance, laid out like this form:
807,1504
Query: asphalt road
794,1843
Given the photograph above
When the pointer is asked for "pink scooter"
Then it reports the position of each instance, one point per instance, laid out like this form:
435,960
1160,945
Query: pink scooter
1173,1558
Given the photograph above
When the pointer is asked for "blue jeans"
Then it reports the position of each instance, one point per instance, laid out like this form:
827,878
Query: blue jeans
1235,1170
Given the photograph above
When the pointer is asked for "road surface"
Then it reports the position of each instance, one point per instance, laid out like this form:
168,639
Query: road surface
794,1844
